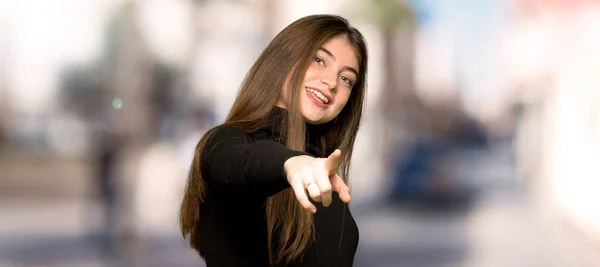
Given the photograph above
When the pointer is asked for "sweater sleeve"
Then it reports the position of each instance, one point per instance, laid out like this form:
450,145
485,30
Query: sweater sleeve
232,163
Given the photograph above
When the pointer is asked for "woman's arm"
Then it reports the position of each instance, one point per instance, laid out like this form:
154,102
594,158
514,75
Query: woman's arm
231,163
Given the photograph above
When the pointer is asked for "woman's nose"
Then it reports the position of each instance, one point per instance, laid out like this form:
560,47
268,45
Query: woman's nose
329,79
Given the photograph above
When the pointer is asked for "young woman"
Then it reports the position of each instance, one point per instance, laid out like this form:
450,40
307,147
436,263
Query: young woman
268,186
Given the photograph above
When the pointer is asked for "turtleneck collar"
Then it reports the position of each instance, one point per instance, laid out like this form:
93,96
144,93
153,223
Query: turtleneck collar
278,118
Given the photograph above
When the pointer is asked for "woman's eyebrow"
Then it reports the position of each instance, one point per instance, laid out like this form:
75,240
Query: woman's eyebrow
348,68
327,52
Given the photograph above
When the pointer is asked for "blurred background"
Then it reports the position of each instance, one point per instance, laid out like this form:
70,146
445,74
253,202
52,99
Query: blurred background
479,146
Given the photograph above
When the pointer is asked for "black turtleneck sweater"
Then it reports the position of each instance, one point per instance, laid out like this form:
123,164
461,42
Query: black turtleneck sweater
240,171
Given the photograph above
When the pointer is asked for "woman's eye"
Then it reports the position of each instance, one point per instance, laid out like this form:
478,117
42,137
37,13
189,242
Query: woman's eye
347,80
319,60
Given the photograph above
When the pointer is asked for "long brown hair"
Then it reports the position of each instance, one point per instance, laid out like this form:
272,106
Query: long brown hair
289,225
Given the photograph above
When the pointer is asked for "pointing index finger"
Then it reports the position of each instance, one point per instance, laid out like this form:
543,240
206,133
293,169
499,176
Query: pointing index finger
333,161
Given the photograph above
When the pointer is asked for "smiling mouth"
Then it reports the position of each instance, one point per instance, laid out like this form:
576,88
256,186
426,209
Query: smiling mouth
318,95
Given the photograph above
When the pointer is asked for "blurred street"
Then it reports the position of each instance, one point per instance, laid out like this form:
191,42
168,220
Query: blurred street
501,228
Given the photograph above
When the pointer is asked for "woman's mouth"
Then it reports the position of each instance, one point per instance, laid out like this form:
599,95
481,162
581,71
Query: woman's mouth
317,97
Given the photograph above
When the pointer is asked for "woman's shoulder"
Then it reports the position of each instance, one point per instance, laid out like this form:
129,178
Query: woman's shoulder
222,134
225,132
236,134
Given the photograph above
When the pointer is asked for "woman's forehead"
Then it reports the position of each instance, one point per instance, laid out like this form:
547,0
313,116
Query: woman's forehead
340,49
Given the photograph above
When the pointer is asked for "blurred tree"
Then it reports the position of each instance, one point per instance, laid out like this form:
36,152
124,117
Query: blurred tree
118,93
114,96
5,108
396,22
131,115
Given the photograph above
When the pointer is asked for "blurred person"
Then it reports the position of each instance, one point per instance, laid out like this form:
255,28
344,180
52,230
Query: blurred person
84,94
291,130
106,160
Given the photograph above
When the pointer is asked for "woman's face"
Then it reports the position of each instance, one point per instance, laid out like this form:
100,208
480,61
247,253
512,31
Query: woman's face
328,82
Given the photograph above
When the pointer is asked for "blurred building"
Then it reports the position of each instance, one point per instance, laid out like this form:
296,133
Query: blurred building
553,60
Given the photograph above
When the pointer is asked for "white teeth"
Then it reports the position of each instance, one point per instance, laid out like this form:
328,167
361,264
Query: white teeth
318,95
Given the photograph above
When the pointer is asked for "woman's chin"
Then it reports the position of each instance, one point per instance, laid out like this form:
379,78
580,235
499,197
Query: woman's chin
316,119
312,118
314,115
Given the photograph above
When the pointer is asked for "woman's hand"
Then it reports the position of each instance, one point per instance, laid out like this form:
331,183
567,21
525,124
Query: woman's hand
318,176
